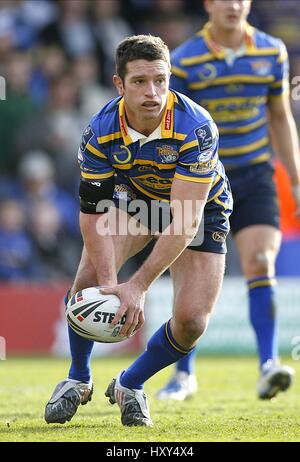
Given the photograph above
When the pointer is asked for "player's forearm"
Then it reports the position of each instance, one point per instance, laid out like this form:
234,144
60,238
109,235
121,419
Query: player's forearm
286,143
99,247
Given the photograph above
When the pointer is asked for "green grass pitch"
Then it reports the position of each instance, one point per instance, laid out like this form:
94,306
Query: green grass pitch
224,409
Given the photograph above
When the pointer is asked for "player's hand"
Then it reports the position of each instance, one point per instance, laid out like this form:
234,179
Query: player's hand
296,194
132,299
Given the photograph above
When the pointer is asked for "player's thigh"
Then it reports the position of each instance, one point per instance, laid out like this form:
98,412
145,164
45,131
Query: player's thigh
197,280
129,237
258,246
127,243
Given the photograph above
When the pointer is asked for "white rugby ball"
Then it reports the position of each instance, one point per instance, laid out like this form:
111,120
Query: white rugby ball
89,313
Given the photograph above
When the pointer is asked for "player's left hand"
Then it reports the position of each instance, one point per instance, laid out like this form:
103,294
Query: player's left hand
132,299
296,195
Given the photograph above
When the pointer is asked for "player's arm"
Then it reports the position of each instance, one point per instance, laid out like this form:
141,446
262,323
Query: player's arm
285,140
188,200
95,230
95,192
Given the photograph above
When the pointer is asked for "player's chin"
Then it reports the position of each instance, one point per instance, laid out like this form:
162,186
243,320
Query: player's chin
151,113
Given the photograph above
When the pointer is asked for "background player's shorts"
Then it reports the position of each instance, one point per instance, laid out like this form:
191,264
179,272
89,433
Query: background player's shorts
212,232
254,196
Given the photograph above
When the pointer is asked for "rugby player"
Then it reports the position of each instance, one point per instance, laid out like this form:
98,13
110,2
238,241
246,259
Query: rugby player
150,144
241,76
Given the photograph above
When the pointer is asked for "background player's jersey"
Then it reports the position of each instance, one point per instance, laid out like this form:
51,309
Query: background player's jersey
235,93
184,146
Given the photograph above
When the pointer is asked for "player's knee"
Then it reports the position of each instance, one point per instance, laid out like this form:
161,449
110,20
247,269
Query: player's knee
193,325
260,263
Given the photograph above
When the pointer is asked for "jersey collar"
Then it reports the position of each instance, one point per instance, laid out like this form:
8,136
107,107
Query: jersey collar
217,49
165,130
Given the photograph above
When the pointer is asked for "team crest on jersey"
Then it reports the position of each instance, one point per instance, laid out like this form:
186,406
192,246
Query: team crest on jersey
167,154
87,135
261,67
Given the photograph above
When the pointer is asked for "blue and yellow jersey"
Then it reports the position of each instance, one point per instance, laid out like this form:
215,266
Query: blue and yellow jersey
184,146
235,93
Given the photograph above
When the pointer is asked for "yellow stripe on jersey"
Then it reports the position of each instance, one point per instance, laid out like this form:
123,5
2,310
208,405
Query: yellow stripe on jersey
197,59
279,84
213,103
179,72
97,176
244,149
262,52
218,193
96,151
154,164
189,145
179,136
192,178
147,193
149,163
261,158
110,137
239,78
244,129
224,205
282,57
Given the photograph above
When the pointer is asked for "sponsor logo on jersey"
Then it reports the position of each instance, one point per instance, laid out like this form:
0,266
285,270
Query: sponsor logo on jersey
123,156
208,72
168,119
261,67
202,167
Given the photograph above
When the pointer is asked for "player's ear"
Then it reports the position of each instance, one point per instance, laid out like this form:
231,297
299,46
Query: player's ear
118,83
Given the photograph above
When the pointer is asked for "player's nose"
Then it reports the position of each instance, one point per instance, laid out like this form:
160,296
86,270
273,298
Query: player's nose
150,89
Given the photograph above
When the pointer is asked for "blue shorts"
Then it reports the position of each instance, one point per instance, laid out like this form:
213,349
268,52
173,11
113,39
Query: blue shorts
254,196
212,232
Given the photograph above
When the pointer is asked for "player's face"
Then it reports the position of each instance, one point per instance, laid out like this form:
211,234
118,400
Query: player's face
145,89
228,14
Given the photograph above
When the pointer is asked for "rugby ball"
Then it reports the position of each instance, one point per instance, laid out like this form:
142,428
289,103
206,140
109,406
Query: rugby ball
90,313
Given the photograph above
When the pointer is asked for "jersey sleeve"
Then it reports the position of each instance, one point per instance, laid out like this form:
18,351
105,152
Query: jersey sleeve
93,162
198,156
281,73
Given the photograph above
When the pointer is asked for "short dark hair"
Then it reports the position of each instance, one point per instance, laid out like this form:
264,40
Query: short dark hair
146,47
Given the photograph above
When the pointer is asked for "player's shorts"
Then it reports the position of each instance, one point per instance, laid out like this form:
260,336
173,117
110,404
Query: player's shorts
254,196
212,232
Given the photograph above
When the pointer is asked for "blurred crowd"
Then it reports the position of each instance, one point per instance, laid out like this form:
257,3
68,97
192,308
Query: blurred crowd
56,67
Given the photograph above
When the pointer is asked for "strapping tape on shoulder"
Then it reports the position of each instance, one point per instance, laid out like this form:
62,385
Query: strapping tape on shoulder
92,192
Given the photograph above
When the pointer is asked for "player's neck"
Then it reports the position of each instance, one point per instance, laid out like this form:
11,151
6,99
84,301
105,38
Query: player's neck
233,39
144,127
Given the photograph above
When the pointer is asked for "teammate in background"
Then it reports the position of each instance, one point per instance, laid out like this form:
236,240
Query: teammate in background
240,75
151,144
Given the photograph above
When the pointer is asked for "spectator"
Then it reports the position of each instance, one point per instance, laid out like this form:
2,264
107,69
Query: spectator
36,172
17,256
